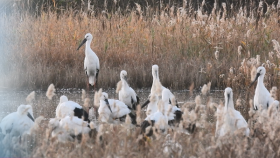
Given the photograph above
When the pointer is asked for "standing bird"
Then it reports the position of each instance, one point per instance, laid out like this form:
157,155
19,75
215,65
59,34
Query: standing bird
127,94
70,108
19,122
158,119
113,109
91,62
175,114
157,88
231,120
262,96
155,80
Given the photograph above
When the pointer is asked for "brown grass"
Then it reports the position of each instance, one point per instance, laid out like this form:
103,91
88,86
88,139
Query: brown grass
42,50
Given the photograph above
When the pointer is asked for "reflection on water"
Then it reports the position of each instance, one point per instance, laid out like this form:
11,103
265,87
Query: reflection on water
9,101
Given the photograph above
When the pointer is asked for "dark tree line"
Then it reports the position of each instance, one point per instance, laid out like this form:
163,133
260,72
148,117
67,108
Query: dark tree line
36,6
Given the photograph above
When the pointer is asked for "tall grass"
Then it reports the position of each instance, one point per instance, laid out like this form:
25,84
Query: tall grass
38,50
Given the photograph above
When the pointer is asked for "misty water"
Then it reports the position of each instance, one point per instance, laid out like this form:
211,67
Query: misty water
10,100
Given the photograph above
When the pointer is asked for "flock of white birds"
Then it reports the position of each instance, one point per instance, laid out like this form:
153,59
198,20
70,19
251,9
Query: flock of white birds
162,111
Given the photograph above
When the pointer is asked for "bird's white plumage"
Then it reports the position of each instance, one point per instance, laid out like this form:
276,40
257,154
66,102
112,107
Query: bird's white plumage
126,93
74,125
231,119
67,127
155,80
152,106
160,117
119,109
18,123
66,107
262,96
91,62
166,96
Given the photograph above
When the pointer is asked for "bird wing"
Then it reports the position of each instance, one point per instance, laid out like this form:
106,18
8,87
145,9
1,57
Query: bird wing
240,122
133,94
7,122
67,109
75,125
119,109
85,64
97,63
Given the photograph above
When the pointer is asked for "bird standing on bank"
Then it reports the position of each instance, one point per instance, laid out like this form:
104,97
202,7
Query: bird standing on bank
127,94
231,119
91,62
157,88
262,96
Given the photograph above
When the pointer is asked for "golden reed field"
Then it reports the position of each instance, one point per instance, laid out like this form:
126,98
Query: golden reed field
191,46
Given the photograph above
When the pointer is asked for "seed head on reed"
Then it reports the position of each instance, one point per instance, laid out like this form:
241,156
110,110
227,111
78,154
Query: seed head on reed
258,60
37,123
273,93
208,86
193,116
87,103
198,100
217,54
231,70
276,46
270,54
92,125
138,114
127,120
83,94
97,96
30,97
204,89
119,86
239,50
191,88
51,91
248,34
253,73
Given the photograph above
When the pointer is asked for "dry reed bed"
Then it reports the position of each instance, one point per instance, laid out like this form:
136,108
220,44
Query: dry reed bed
124,140
188,47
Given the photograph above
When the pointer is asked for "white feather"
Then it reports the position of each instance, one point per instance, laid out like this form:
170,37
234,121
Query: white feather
232,120
18,123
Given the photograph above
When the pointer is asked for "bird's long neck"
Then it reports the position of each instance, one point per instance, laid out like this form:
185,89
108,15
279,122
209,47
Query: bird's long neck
88,49
260,81
124,83
229,103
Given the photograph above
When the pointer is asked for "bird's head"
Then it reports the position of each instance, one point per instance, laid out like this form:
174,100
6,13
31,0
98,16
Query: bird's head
123,75
104,97
88,37
228,95
25,110
155,71
166,95
260,72
63,99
